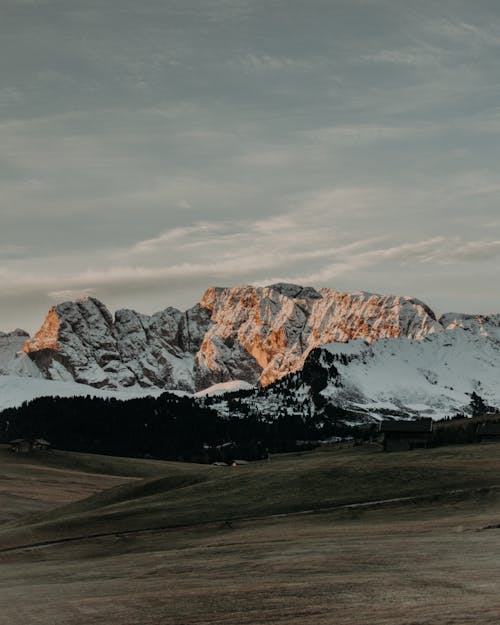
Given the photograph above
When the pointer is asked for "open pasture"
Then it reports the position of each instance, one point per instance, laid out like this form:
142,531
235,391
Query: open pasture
189,544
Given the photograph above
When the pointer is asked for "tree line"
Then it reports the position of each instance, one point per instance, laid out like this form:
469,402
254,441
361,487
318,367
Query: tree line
168,427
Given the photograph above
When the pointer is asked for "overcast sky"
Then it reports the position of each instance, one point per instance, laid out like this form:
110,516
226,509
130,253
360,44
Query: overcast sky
151,149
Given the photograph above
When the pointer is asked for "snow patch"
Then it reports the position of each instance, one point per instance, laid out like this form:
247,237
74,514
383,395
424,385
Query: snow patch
225,387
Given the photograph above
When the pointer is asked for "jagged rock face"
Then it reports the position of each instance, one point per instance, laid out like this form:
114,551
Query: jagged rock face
273,329
256,334
81,341
76,341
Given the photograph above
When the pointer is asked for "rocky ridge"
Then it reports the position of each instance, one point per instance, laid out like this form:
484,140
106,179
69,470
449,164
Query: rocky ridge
254,334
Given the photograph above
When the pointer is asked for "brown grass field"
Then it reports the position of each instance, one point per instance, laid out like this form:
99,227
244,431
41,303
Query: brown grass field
87,540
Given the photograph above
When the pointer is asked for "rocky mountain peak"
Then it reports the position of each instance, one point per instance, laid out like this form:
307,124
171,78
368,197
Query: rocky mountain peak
250,333
47,336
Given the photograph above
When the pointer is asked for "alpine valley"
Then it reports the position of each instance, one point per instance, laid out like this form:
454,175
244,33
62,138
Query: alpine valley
279,349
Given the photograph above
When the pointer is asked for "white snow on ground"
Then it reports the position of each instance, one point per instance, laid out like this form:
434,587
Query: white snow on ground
225,387
14,390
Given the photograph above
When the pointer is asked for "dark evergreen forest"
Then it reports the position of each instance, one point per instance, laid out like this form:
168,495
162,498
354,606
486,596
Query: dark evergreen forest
168,427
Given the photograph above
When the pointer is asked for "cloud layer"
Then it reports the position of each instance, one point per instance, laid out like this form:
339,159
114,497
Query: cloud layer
150,152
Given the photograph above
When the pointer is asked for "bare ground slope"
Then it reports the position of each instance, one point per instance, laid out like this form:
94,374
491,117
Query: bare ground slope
431,559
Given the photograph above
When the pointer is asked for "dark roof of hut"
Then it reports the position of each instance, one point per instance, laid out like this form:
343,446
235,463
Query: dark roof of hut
417,426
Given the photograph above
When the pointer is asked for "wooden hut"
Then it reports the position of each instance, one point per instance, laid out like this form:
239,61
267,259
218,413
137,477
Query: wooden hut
21,445
488,432
27,445
405,435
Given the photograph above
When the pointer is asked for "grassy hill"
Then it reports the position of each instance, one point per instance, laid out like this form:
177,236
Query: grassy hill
160,542
92,463
176,494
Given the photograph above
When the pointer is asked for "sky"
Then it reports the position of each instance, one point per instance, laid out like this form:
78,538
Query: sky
149,150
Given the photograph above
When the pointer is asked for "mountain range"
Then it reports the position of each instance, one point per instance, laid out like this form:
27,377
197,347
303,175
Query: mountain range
367,354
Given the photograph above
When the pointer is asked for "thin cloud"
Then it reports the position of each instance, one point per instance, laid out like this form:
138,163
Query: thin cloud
413,57
70,294
438,250
366,133
174,235
268,63
12,251
466,34
10,96
460,251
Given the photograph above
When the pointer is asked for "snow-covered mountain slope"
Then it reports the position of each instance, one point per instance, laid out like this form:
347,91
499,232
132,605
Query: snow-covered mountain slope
254,334
14,390
355,381
13,361
433,377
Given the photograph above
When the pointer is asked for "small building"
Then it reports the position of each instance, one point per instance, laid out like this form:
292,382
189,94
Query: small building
239,463
21,445
27,445
405,435
40,443
488,433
